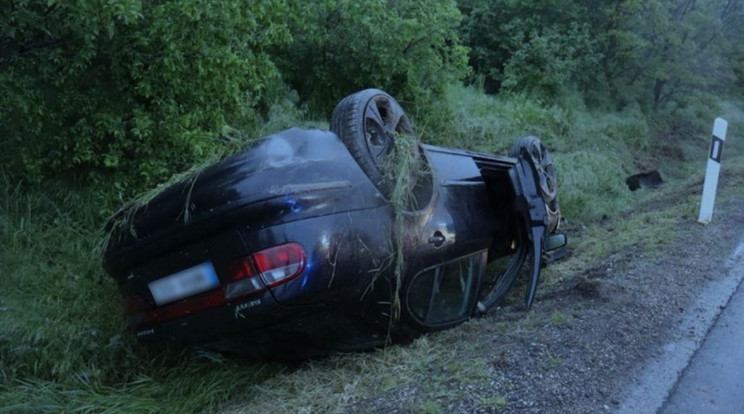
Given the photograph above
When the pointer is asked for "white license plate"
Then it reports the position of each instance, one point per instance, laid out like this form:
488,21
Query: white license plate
183,284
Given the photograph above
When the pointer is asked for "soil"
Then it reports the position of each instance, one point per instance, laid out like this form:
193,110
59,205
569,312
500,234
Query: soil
586,338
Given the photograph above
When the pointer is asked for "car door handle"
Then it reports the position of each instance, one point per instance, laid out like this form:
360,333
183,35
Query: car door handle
437,239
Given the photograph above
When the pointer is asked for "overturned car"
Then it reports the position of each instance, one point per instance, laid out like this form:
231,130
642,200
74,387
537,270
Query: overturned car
309,241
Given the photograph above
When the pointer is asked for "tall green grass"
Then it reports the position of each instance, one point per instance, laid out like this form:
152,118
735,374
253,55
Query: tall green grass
63,343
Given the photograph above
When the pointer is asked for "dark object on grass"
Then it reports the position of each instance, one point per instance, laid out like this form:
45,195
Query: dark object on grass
651,179
309,242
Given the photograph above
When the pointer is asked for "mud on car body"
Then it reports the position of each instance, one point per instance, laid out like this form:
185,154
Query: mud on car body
295,247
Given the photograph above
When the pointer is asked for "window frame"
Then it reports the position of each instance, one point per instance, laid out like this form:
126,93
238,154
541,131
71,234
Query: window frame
476,264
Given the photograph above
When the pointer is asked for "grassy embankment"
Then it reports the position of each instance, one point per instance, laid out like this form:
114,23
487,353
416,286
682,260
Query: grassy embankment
64,347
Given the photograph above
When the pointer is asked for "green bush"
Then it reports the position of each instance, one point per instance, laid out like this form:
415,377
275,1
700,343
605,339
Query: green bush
539,47
132,86
408,48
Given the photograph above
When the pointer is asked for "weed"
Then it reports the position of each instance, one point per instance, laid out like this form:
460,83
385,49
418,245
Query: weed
558,318
429,407
493,403
405,172
555,362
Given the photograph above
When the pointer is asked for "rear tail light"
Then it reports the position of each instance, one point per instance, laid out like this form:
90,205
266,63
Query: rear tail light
280,264
243,277
267,268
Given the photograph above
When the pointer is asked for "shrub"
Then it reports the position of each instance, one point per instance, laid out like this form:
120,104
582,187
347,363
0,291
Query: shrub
536,47
408,48
128,85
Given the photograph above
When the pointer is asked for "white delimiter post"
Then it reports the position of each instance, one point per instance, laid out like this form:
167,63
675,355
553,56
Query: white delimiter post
711,172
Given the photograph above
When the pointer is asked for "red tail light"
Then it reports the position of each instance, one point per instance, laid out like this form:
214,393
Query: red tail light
280,264
273,267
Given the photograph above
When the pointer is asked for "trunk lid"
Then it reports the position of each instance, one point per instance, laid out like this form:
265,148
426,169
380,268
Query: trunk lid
288,176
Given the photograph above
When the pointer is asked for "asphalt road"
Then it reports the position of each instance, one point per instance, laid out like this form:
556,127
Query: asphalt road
701,369
713,382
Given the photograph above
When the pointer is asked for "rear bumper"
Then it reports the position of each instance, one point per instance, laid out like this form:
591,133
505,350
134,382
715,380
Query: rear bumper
238,317
260,328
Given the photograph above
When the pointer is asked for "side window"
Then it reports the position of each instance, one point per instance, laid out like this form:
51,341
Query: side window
445,293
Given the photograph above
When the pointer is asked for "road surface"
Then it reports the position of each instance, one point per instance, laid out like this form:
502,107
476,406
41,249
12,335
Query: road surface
713,382
701,370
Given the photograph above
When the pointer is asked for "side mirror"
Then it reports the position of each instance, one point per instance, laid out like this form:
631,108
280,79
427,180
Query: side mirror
555,241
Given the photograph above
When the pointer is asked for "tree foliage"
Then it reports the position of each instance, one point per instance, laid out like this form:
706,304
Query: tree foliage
659,52
732,17
654,52
130,84
528,46
409,48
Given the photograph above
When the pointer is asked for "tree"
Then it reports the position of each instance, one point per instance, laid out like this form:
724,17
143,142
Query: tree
658,52
732,18
140,87
533,46
410,48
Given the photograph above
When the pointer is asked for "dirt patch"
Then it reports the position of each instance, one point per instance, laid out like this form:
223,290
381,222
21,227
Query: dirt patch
584,339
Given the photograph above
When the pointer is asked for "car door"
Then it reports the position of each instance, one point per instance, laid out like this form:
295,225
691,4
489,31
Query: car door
454,235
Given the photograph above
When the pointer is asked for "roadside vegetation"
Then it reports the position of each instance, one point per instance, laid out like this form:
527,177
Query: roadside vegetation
100,101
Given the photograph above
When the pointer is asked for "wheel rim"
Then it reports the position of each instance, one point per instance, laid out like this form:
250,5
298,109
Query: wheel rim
383,119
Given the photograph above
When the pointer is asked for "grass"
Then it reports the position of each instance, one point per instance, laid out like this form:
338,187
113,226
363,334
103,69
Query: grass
326,386
404,171
64,346
493,403
558,318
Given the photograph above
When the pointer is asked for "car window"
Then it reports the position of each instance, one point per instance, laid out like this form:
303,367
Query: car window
445,293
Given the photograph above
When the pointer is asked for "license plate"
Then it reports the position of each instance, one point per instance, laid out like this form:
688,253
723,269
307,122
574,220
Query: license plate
183,284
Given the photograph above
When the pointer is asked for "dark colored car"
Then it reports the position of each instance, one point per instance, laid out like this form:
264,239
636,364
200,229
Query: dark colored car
312,241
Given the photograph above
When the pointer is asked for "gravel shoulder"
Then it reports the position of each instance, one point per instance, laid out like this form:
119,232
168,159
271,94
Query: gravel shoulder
586,344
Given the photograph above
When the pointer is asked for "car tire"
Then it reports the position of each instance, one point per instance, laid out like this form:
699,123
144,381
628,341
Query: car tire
533,150
367,122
